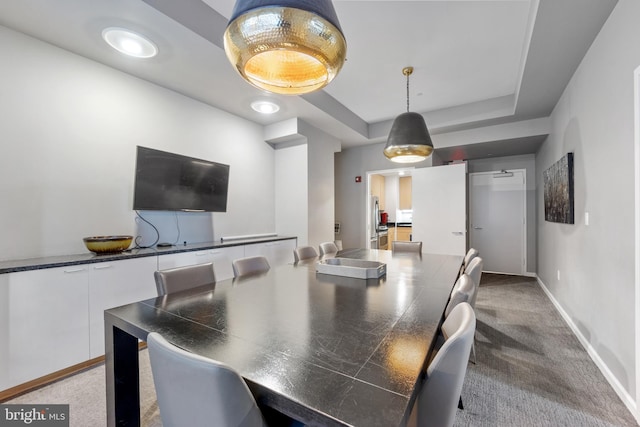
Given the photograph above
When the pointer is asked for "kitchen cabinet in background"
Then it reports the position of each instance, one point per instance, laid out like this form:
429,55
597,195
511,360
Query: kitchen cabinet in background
377,189
403,233
405,201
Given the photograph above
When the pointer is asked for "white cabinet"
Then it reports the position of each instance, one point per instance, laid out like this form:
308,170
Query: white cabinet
220,257
116,283
277,253
44,323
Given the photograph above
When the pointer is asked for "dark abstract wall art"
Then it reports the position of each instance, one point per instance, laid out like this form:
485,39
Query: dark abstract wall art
558,191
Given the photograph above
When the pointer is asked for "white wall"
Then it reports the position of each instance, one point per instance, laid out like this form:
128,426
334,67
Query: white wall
594,119
292,195
351,196
321,181
68,130
528,163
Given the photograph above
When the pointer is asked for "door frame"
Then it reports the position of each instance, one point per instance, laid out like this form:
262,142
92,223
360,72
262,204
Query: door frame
367,202
636,119
524,263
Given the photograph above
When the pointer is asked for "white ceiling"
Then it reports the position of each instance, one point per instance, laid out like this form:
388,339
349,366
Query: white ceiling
479,64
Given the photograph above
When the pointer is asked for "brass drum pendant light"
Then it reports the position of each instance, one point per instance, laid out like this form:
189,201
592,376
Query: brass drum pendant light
284,46
409,139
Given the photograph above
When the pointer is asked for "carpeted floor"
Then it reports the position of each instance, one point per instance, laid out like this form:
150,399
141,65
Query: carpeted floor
531,371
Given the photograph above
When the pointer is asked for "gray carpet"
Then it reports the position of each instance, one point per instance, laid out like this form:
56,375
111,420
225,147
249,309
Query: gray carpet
530,371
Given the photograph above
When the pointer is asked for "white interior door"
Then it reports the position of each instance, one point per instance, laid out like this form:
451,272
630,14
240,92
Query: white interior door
439,201
497,219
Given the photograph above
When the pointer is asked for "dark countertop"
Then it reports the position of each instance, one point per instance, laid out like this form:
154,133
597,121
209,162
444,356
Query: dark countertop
13,266
326,350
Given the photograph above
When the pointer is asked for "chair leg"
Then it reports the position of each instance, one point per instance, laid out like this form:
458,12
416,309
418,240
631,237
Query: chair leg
473,352
460,405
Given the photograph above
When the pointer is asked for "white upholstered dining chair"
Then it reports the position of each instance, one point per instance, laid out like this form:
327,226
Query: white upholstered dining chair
304,252
402,246
196,391
439,396
182,278
327,248
250,265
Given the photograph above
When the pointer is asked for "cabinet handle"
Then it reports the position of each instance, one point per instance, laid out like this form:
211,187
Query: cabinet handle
74,270
458,233
102,267
201,253
477,228
215,252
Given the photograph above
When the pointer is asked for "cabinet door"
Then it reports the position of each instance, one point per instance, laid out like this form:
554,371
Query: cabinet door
405,193
44,324
112,284
277,253
220,257
377,189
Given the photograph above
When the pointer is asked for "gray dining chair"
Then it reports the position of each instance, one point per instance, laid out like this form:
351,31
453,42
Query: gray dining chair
462,292
182,278
327,248
440,393
304,252
195,391
402,246
250,265
338,244
474,270
469,256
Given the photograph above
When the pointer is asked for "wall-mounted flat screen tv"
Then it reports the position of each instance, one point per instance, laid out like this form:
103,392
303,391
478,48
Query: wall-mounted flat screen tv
171,182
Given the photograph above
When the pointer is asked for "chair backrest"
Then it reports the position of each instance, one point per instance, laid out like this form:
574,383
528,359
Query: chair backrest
440,394
471,254
181,278
304,252
474,270
401,246
250,265
327,248
196,391
462,292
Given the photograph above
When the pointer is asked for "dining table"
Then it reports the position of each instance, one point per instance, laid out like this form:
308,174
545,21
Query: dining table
324,349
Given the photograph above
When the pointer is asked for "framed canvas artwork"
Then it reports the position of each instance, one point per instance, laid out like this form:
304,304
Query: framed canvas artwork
558,191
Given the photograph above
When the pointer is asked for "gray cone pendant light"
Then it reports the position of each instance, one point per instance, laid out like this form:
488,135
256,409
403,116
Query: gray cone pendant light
409,139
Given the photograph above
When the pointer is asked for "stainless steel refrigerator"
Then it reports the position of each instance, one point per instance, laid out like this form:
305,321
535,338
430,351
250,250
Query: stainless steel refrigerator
374,218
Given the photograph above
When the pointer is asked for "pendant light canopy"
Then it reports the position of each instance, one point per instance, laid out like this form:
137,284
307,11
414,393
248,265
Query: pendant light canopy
409,139
284,46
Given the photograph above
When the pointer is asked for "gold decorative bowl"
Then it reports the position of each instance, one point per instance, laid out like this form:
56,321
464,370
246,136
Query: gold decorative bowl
107,244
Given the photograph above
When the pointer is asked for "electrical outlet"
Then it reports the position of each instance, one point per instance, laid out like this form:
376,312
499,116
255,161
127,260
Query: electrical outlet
558,275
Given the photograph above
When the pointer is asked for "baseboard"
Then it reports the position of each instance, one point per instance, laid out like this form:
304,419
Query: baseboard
626,398
526,274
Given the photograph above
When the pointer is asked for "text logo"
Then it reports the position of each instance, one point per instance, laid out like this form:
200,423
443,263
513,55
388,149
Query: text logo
34,415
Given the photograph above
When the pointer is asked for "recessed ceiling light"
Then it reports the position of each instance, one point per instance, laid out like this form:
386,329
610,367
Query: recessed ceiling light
129,43
265,107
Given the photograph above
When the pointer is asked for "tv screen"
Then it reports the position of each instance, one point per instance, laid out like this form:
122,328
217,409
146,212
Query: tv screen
171,182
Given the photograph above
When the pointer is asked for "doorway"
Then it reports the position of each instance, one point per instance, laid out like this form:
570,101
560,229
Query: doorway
497,220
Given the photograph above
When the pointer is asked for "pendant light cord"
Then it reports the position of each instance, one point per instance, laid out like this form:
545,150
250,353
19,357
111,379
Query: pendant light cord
408,92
